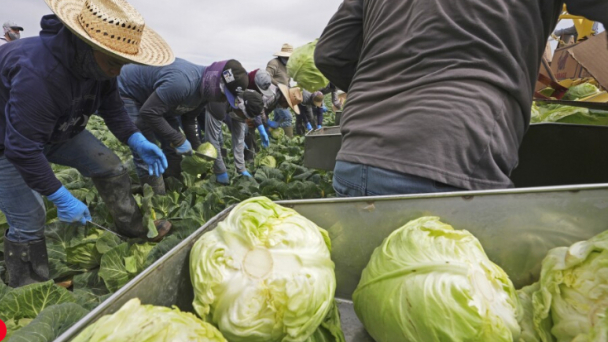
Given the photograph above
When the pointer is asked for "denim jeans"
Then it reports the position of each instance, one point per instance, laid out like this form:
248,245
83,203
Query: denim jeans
357,180
24,208
283,117
173,159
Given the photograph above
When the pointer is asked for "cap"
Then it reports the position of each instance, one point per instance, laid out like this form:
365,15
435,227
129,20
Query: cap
11,25
317,98
260,81
254,105
236,80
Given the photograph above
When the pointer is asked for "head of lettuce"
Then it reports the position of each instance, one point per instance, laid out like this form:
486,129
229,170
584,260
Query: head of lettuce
428,282
264,274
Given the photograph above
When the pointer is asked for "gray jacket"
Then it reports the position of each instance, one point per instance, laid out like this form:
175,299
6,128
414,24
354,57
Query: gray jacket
278,72
440,89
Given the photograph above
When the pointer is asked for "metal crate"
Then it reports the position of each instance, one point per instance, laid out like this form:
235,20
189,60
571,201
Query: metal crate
516,227
551,154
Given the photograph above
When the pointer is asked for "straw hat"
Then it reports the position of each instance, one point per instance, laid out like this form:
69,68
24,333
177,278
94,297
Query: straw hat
293,96
114,27
286,51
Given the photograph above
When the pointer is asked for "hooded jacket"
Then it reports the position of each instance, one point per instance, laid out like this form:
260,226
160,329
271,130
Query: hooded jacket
43,101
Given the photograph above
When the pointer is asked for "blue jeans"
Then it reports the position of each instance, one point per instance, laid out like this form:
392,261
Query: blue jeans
173,159
357,180
283,117
24,208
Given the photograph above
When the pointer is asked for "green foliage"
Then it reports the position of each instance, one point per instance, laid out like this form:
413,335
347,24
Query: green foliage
50,323
28,301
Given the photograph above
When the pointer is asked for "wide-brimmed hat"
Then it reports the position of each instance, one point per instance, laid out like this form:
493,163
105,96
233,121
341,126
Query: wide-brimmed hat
286,51
293,96
116,28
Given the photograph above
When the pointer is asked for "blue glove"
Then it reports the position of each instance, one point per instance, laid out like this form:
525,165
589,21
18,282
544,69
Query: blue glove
308,127
263,136
323,108
246,173
273,124
69,208
150,153
319,126
184,148
222,178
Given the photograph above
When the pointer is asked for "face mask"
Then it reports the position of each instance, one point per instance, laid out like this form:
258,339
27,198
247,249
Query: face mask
14,36
284,60
85,64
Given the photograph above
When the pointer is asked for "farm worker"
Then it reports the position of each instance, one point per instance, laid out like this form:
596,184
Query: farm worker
277,68
49,86
273,97
157,98
249,106
306,119
12,32
439,91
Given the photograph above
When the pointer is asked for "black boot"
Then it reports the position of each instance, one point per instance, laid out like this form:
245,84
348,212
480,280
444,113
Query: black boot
157,184
26,262
116,194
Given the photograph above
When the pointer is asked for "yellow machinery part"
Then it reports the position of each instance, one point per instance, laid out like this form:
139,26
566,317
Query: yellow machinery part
584,27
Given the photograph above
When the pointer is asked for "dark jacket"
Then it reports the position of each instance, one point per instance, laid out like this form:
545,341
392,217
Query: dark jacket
42,101
440,89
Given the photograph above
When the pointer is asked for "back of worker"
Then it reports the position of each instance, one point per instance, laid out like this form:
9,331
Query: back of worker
438,89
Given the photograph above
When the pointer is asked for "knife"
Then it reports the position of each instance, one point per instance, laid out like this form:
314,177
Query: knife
108,230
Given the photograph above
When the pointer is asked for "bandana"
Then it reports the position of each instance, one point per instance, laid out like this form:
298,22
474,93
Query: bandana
85,64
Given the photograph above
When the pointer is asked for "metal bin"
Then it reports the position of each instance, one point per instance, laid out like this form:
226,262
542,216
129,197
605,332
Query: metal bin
516,227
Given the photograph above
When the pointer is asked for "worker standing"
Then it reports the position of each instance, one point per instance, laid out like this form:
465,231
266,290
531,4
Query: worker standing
439,91
49,86
12,32
277,68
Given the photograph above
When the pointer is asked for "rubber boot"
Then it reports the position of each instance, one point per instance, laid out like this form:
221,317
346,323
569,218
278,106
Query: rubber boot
128,219
157,184
26,262
288,131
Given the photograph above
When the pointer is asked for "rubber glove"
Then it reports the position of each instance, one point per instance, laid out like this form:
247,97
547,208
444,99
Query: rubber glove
150,153
222,178
69,208
273,124
323,108
319,126
184,148
246,173
308,127
263,136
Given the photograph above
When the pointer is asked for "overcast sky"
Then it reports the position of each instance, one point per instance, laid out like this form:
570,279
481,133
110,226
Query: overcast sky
204,31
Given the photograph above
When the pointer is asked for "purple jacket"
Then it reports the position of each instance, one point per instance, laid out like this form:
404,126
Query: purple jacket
42,101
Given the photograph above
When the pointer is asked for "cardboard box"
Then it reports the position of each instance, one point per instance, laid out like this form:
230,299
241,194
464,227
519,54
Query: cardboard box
585,59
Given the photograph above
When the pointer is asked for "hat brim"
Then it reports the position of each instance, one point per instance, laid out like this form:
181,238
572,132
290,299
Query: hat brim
283,54
266,92
231,98
153,50
18,28
285,92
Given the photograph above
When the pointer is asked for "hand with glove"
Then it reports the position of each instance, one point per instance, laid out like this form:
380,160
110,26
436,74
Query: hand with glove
263,136
324,108
273,124
222,178
150,153
246,173
69,208
308,127
184,149
319,127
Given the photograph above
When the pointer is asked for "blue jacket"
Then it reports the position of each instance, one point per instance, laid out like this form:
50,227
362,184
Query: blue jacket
42,101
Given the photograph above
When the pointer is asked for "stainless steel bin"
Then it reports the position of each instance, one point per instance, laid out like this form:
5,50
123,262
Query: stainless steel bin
516,227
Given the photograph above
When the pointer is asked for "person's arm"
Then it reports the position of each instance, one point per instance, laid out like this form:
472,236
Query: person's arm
337,52
31,117
113,113
272,68
153,113
306,98
190,125
596,10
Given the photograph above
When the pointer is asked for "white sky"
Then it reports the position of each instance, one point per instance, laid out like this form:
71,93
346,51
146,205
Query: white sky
204,31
